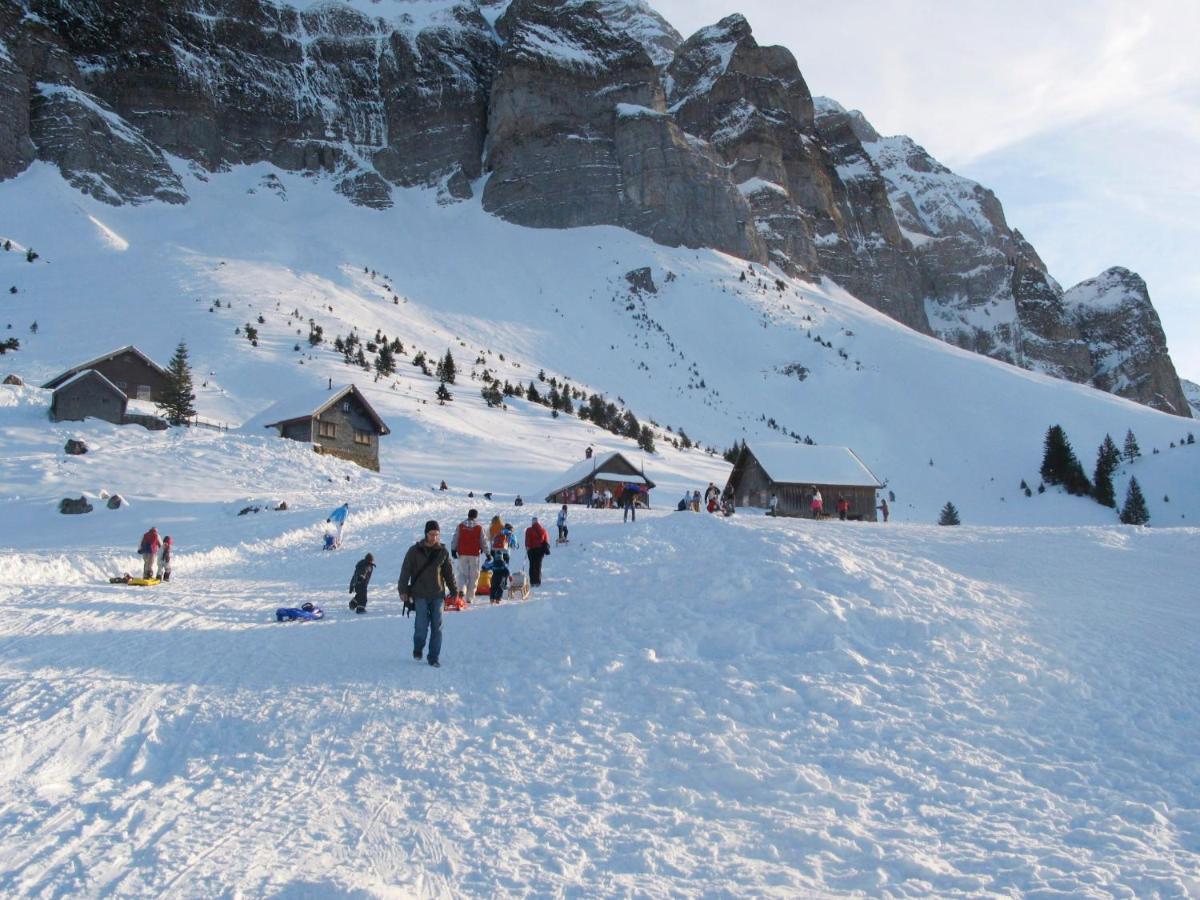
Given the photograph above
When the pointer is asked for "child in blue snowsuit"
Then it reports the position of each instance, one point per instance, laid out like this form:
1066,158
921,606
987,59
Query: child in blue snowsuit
498,566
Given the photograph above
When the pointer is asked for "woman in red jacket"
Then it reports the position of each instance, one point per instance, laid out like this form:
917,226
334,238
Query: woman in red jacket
537,547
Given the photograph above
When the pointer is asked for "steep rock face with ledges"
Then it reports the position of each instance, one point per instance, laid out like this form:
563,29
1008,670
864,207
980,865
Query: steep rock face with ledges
1129,350
565,113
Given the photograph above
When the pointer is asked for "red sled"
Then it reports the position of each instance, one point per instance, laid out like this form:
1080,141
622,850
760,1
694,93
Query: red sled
455,603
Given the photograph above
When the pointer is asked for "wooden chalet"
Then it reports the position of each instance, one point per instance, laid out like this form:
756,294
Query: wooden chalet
339,422
132,371
791,471
590,478
88,394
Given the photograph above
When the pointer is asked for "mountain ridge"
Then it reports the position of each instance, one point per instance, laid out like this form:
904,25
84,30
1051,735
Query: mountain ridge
523,100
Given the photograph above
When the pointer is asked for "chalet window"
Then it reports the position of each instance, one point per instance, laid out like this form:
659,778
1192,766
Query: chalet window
362,437
327,429
143,392
345,406
122,385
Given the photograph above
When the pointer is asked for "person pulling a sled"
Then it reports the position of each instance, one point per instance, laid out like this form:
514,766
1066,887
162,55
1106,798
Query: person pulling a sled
148,551
426,579
363,570
466,547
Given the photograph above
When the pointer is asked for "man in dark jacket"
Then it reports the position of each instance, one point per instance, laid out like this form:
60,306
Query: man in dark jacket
358,583
426,577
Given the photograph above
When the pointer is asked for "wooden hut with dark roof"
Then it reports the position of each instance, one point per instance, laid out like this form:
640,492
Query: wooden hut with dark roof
790,471
339,422
88,394
132,371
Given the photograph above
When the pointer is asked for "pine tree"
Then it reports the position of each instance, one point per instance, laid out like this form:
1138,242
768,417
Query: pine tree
1060,465
385,362
531,393
1132,451
447,371
176,402
630,426
1107,457
492,394
949,515
1134,511
646,439
443,394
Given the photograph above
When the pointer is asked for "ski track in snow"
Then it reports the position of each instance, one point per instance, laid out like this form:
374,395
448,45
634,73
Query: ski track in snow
687,706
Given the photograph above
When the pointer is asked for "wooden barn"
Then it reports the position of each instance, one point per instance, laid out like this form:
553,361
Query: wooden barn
339,422
88,394
137,375
791,471
590,478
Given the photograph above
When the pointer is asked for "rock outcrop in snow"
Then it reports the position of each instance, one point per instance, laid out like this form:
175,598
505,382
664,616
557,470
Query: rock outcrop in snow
579,112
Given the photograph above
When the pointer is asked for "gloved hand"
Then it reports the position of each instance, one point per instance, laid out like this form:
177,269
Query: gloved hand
454,554
409,607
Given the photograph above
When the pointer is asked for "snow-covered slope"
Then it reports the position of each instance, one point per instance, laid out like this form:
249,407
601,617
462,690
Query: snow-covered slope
688,705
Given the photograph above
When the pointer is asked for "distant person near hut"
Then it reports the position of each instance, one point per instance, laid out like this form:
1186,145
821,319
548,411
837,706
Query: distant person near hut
561,522
773,505
883,508
843,507
629,502
817,505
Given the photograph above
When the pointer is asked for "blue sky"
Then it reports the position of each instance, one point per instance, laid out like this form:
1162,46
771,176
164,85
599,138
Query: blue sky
1083,117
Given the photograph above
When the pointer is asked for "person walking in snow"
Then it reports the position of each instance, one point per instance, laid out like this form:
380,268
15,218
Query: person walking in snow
629,502
883,508
561,522
537,548
843,507
164,559
337,518
148,551
363,570
426,579
466,546
818,504
498,568
773,505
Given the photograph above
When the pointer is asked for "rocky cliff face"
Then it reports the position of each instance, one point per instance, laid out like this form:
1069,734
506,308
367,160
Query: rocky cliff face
1129,350
578,112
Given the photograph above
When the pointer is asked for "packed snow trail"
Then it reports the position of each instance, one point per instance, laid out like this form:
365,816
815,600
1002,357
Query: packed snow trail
688,705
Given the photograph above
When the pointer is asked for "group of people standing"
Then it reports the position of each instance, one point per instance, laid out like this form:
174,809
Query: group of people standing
432,573
714,500
155,550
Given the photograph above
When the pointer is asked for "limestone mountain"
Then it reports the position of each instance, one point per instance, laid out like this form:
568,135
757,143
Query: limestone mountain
563,113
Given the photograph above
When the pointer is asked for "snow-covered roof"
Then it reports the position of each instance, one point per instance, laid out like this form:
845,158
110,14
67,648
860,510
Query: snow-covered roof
788,461
86,374
58,380
585,467
305,404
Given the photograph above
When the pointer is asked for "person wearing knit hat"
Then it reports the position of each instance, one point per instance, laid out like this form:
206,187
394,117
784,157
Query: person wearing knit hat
426,579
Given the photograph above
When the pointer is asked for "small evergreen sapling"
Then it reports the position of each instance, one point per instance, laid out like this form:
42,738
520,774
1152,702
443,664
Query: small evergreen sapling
1132,451
949,515
443,394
